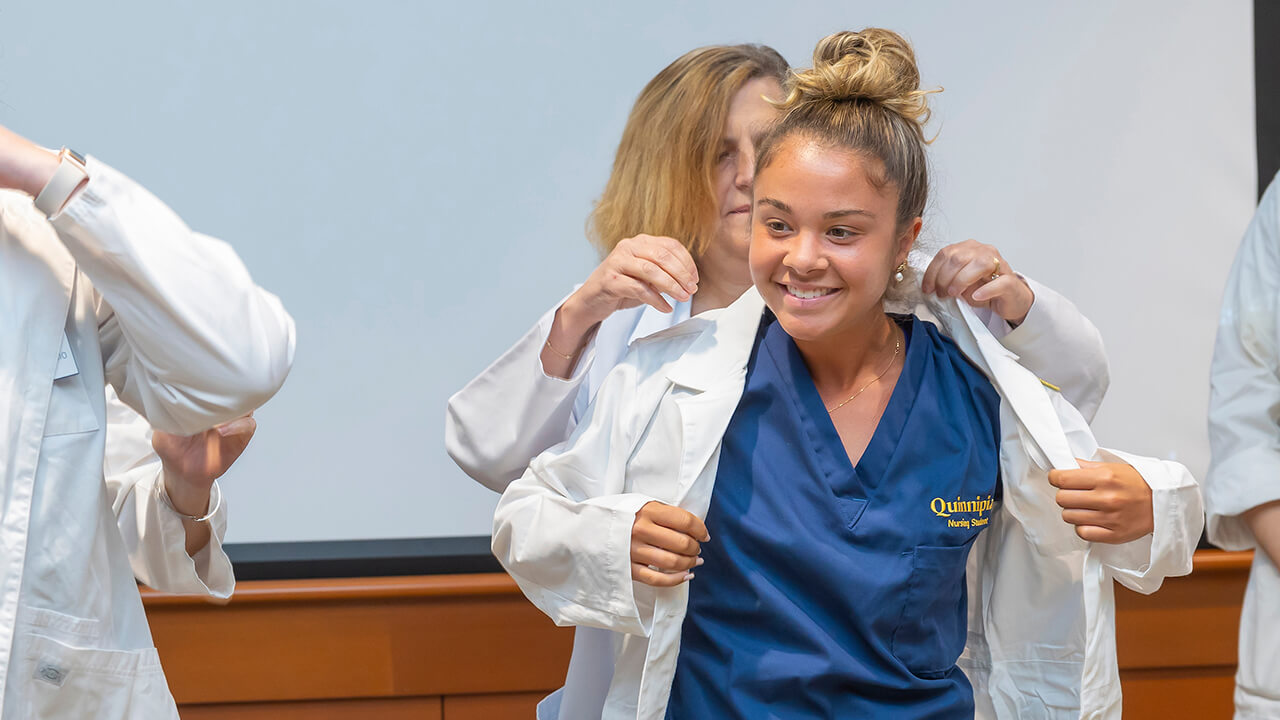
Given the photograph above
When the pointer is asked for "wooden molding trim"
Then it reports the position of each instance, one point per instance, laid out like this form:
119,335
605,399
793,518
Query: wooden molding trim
483,585
259,592
1214,561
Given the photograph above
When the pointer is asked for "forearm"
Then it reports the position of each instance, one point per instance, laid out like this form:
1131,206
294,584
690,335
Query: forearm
570,332
24,165
187,337
1177,514
159,541
1264,521
570,558
190,502
1061,346
513,410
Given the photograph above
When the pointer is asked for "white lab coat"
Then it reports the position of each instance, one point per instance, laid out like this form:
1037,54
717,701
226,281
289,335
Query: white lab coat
1244,439
114,289
513,410
1041,622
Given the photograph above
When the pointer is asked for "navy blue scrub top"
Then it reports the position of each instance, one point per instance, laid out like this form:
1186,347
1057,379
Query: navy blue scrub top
832,591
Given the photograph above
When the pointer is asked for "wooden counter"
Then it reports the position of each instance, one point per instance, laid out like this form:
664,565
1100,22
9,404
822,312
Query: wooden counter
470,646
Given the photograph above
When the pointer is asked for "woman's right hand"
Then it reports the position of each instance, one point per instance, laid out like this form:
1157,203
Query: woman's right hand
636,272
665,542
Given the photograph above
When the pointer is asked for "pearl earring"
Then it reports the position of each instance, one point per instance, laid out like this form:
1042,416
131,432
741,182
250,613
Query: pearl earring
897,277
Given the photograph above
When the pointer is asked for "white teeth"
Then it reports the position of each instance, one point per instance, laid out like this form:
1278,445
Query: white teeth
809,294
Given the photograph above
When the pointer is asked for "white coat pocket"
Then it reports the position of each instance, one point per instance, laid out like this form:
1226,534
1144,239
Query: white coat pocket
69,408
59,680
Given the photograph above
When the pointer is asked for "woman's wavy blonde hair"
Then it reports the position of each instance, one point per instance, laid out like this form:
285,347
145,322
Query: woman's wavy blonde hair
662,180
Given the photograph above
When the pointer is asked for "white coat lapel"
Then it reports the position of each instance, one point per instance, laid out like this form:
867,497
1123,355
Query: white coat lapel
36,277
35,295
1039,433
713,369
1019,386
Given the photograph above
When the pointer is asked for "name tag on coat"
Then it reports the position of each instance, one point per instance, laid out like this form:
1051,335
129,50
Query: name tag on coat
66,361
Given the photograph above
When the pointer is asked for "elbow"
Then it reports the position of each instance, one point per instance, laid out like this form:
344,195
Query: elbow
501,543
255,372
1103,381
261,371
234,385
470,456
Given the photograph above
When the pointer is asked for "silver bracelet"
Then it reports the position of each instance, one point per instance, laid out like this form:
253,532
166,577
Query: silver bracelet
163,493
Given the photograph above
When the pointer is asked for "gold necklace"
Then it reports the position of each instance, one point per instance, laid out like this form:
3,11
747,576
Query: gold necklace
897,346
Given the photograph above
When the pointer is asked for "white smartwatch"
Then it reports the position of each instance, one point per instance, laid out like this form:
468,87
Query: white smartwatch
70,173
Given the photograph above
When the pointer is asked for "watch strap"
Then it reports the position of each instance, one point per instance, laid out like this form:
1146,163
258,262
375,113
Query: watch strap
70,173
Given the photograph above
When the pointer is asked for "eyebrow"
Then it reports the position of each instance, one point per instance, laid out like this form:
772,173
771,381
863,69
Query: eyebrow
755,136
826,216
842,213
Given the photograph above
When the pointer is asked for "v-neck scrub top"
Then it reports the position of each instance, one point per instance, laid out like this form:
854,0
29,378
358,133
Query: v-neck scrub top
831,590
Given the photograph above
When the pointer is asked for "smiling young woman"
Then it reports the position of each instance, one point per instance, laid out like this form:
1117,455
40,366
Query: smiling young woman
826,244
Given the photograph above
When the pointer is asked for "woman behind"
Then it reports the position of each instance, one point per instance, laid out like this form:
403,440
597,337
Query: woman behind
855,457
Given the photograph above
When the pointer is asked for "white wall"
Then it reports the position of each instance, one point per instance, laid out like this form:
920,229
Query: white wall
412,180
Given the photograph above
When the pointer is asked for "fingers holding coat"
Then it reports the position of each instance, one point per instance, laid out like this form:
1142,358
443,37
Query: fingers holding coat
960,266
674,518
668,265
662,560
673,541
649,576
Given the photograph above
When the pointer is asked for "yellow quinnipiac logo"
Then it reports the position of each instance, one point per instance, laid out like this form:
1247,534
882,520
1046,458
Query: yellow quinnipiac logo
978,506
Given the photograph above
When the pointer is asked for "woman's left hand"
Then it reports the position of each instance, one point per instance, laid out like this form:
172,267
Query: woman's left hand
966,270
1107,502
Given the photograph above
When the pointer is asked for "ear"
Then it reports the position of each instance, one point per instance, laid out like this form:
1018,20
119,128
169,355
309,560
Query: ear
907,240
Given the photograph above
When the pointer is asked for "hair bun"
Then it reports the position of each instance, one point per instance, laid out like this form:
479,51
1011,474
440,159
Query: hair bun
874,65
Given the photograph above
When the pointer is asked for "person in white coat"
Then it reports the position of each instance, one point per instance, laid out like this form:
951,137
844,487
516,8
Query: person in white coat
1242,488
103,284
534,395
624,498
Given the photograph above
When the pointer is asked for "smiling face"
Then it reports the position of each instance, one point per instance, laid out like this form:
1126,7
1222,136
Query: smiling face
825,240
749,118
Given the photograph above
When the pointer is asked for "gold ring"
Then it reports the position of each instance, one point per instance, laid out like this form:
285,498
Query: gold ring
996,272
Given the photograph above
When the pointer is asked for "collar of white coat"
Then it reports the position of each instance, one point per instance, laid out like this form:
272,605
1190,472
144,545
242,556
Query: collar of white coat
1020,388
724,348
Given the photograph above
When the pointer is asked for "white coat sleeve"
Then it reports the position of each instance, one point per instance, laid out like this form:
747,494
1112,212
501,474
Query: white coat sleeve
1244,385
153,534
187,339
1059,344
563,529
513,410
1178,515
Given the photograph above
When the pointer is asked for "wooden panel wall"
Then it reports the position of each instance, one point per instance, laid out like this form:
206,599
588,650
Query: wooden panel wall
1177,648
466,647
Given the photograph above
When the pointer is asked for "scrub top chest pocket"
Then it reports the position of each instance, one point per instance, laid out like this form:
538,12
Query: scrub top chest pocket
931,632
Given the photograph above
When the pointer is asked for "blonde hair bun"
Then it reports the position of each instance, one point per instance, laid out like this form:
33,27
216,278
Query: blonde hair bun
873,65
